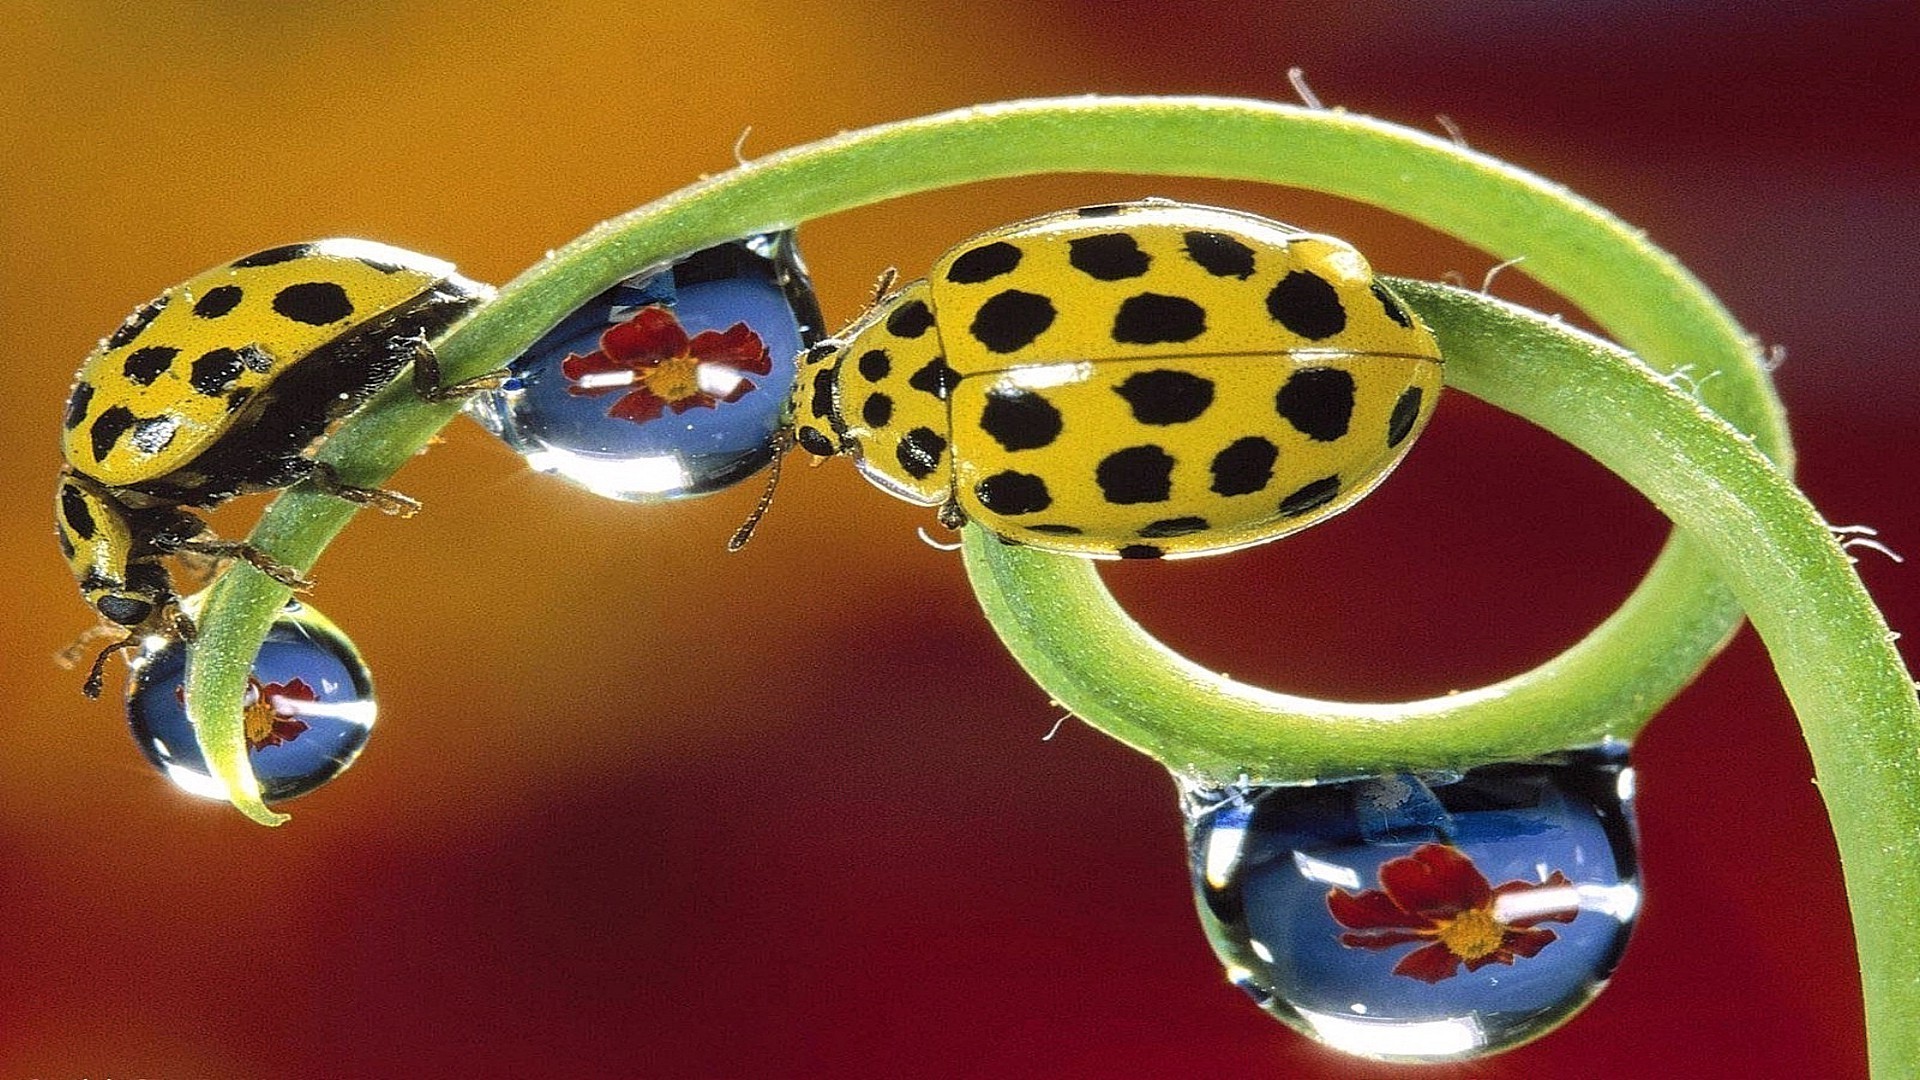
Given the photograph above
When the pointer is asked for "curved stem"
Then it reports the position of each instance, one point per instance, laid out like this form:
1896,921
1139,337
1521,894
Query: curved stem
1652,305
1829,643
1645,298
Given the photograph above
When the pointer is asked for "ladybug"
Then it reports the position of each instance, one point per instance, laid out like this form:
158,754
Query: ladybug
219,387
1142,380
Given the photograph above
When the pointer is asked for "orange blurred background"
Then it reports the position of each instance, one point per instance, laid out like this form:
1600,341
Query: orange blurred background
639,808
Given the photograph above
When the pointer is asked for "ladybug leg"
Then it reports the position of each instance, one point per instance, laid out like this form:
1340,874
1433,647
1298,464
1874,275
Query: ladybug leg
70,657
884,285
950,515
252,556
430,385
124,640
327,479
189,537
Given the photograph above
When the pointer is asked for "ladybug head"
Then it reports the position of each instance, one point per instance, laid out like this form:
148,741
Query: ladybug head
143,602
141,606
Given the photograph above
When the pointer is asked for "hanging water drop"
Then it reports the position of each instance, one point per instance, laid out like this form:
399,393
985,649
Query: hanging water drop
309,709
1422,918
671,383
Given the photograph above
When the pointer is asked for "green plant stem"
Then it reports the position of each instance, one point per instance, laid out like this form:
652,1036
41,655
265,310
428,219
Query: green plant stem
1648,301
1641,296
1829,643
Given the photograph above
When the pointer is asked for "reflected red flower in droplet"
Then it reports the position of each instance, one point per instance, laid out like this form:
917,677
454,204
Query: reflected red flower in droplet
269,720
1437,897
651,358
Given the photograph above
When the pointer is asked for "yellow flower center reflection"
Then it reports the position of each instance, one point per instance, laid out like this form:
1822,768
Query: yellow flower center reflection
259,716
1472,934
674,378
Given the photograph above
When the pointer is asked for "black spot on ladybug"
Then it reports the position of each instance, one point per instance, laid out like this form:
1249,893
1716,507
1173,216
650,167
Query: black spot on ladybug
910,320
215,372
142,366
150,436
135,323
1220,255
1405,412
107,428
874,364
73,507
1244,467
1102,210
1019,419
1108,256
1140,551
1055,530
1011,493
820,352
1166,397
1138,474
1180,526
1009,321
919,452
877,410
1154,319
1318,402
1307,305
935,378
218,301
316,303
274,256
813,442
1310,497
823,393
1391,306
984,263
77,403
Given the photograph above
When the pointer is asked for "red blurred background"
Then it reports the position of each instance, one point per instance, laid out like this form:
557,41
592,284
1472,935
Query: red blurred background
638,808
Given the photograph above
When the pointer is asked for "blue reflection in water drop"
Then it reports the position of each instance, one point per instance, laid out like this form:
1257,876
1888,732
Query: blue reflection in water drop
309,709
1422,918
610,414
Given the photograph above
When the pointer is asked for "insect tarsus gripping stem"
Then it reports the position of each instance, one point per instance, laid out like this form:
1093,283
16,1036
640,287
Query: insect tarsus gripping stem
430,385
327,479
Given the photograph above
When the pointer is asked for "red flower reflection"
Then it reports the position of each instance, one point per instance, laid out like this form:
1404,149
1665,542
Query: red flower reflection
264,714
1437,896
269,720
651,358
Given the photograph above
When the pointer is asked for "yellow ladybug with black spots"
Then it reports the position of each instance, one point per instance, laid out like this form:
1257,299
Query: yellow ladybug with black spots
1138,380
219,387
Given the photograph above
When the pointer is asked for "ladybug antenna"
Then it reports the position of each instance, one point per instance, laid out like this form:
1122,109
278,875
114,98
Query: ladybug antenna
782,442
96,674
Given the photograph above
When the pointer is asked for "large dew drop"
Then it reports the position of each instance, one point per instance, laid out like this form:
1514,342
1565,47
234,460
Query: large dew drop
1422,918
671,383
309,709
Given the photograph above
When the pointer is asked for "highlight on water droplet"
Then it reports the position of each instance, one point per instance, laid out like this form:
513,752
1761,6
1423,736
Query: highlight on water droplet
670,384
1422,918
309,709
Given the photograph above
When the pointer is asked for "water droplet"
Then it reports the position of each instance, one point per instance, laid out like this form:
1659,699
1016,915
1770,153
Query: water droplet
309,709
669,384
1422,918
